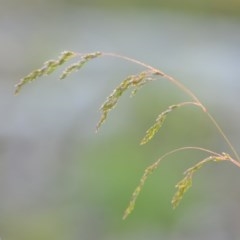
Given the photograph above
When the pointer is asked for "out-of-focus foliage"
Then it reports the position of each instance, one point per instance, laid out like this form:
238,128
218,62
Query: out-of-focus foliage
231,7
58,180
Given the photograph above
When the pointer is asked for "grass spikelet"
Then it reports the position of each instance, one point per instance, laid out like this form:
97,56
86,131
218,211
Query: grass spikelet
136,82
131,81
48,67
149,170
158,124
76,66
183,185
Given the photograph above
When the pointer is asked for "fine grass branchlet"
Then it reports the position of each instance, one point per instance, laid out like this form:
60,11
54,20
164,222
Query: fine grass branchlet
134,82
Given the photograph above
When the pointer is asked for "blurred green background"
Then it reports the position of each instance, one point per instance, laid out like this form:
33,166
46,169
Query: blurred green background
58,179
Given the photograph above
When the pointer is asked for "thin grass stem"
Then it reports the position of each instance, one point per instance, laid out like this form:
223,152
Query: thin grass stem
150,169
184,89
161,73
223,135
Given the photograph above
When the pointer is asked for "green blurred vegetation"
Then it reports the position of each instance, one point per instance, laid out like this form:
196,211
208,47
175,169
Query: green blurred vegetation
210,7
103,173
221,7
87,179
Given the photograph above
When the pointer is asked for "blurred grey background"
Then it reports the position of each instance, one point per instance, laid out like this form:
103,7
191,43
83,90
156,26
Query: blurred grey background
60,180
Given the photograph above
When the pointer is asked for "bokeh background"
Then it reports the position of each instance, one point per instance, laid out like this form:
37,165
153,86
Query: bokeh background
60,180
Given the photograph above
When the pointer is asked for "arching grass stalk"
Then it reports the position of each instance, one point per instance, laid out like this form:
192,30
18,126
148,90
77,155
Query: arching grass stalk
51,65
135,82
186,182
160,73
150,133
183,185
184,89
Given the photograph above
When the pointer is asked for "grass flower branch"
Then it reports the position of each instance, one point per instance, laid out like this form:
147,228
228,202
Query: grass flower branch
136,81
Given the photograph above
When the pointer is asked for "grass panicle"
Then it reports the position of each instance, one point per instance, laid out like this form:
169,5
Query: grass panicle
78,65
134,81
48,67
157,125
150,133
148,171
51,65
184,184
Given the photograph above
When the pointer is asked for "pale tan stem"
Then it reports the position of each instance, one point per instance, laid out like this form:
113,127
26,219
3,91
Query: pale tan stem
184,89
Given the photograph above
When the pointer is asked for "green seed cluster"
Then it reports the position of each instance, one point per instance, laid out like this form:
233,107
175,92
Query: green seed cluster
47,69
76,66
134,81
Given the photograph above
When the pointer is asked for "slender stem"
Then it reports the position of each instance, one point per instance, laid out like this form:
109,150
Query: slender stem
223,135
237,163
187,148
153,167
135,61
161,73
187,103
221,156
184,89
